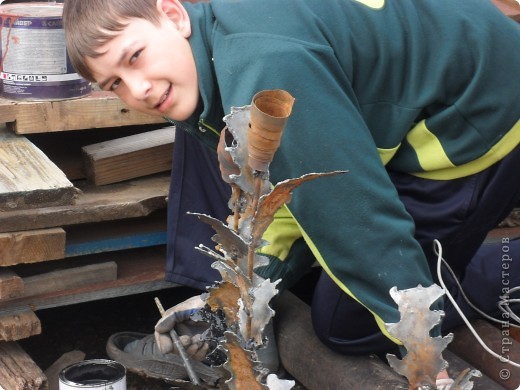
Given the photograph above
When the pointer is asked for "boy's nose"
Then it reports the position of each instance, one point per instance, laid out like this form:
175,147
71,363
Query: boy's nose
139,88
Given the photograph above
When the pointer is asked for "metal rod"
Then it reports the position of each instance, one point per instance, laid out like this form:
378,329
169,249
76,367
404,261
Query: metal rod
182,352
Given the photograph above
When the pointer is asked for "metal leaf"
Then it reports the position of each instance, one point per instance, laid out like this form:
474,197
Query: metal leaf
225,296
281,194
275,383
230,244
423,360
238,124
260,311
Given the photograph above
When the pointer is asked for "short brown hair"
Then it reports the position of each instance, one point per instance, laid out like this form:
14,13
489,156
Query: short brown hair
89,24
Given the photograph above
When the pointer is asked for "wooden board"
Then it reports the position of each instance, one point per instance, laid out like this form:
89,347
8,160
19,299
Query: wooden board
53,372
134,198
19,325
499,340
61,280
129,157
11,285
32,246
100,237
98,110
139,270
69,159
18,371
28,178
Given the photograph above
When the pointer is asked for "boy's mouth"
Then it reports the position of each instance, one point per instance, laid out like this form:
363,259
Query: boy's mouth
161,106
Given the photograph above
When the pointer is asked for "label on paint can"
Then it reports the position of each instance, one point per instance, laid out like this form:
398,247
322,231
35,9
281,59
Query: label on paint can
95,374
34,61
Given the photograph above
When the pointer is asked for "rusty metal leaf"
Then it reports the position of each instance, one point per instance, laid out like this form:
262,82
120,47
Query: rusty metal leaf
240,365
280,195
225,296
423,360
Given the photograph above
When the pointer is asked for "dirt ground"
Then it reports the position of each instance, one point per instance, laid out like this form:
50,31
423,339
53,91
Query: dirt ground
87,326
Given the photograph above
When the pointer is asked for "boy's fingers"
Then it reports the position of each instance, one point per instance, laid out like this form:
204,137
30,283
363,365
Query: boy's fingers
164,342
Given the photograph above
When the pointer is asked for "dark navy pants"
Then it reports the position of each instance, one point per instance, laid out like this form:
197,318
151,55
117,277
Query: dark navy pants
459,213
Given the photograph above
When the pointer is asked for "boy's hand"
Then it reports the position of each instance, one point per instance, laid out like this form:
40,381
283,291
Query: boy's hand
226,163
194,345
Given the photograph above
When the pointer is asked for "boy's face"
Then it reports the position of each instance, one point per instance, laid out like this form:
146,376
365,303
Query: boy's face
151,67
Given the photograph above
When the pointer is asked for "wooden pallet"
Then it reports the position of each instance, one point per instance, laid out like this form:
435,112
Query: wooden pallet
98,242
98,110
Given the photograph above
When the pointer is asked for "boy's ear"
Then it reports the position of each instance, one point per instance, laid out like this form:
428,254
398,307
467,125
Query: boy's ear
176,12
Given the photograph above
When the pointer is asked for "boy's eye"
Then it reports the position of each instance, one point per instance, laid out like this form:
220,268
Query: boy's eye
134,57
115,84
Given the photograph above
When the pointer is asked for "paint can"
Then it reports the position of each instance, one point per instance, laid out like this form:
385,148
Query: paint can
95,374
34,62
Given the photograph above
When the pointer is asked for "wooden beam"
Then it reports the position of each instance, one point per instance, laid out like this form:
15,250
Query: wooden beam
20,325
70,278
53,372
129,157
18,371
11,285
32,246
98,110
86,239
135,198
317,367
139,270
500,341
28,178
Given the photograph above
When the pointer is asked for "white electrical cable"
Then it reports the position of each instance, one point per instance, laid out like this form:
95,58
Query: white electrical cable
440,260
501,303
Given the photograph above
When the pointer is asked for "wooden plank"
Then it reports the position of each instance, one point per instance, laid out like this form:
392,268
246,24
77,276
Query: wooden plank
53,372
498,339
98,110
111,236
129,157
135,198
32,246
70,278
28,178
457,365
139,270
18,371
503,235
69,159
20,325
11,285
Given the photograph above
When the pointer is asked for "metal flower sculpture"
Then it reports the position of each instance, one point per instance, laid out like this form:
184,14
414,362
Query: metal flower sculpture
242,297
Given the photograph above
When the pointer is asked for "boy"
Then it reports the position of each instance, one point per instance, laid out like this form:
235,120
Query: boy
418,99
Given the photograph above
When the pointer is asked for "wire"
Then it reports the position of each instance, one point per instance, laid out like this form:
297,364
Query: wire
501,304
440,261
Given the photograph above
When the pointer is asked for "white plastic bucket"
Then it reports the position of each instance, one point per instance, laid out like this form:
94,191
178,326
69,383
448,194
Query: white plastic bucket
95,374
